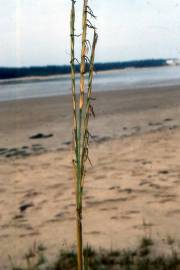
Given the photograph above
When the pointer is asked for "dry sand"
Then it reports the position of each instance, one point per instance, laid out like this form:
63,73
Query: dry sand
133,188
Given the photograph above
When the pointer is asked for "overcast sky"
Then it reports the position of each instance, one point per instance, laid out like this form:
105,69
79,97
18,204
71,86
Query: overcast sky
36,32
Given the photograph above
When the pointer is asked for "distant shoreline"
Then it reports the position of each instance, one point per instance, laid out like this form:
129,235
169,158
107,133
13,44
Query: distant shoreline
60,85
43,71
31,79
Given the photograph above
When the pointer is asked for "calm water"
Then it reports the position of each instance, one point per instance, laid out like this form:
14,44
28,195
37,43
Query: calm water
112,80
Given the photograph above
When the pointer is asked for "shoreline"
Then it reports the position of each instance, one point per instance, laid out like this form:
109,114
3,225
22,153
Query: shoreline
130,90
118,80
31,79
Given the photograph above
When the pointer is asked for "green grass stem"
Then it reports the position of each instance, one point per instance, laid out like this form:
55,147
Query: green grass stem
81,112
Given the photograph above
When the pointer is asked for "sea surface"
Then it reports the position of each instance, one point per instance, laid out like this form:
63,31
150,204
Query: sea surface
103,81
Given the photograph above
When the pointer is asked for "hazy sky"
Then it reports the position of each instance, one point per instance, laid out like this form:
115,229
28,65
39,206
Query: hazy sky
36,32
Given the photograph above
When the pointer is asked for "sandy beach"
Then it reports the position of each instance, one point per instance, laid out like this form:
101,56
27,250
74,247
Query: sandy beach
132,189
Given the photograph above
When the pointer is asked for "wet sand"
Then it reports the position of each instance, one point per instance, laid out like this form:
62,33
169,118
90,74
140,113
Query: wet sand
132,189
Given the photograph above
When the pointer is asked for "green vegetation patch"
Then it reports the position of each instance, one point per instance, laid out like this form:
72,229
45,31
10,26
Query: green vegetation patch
141,258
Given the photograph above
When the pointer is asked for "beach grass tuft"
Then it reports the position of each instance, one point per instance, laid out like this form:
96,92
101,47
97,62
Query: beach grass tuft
107,259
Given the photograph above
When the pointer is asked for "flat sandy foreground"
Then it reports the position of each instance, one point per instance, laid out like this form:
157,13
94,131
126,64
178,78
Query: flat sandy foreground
132,190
